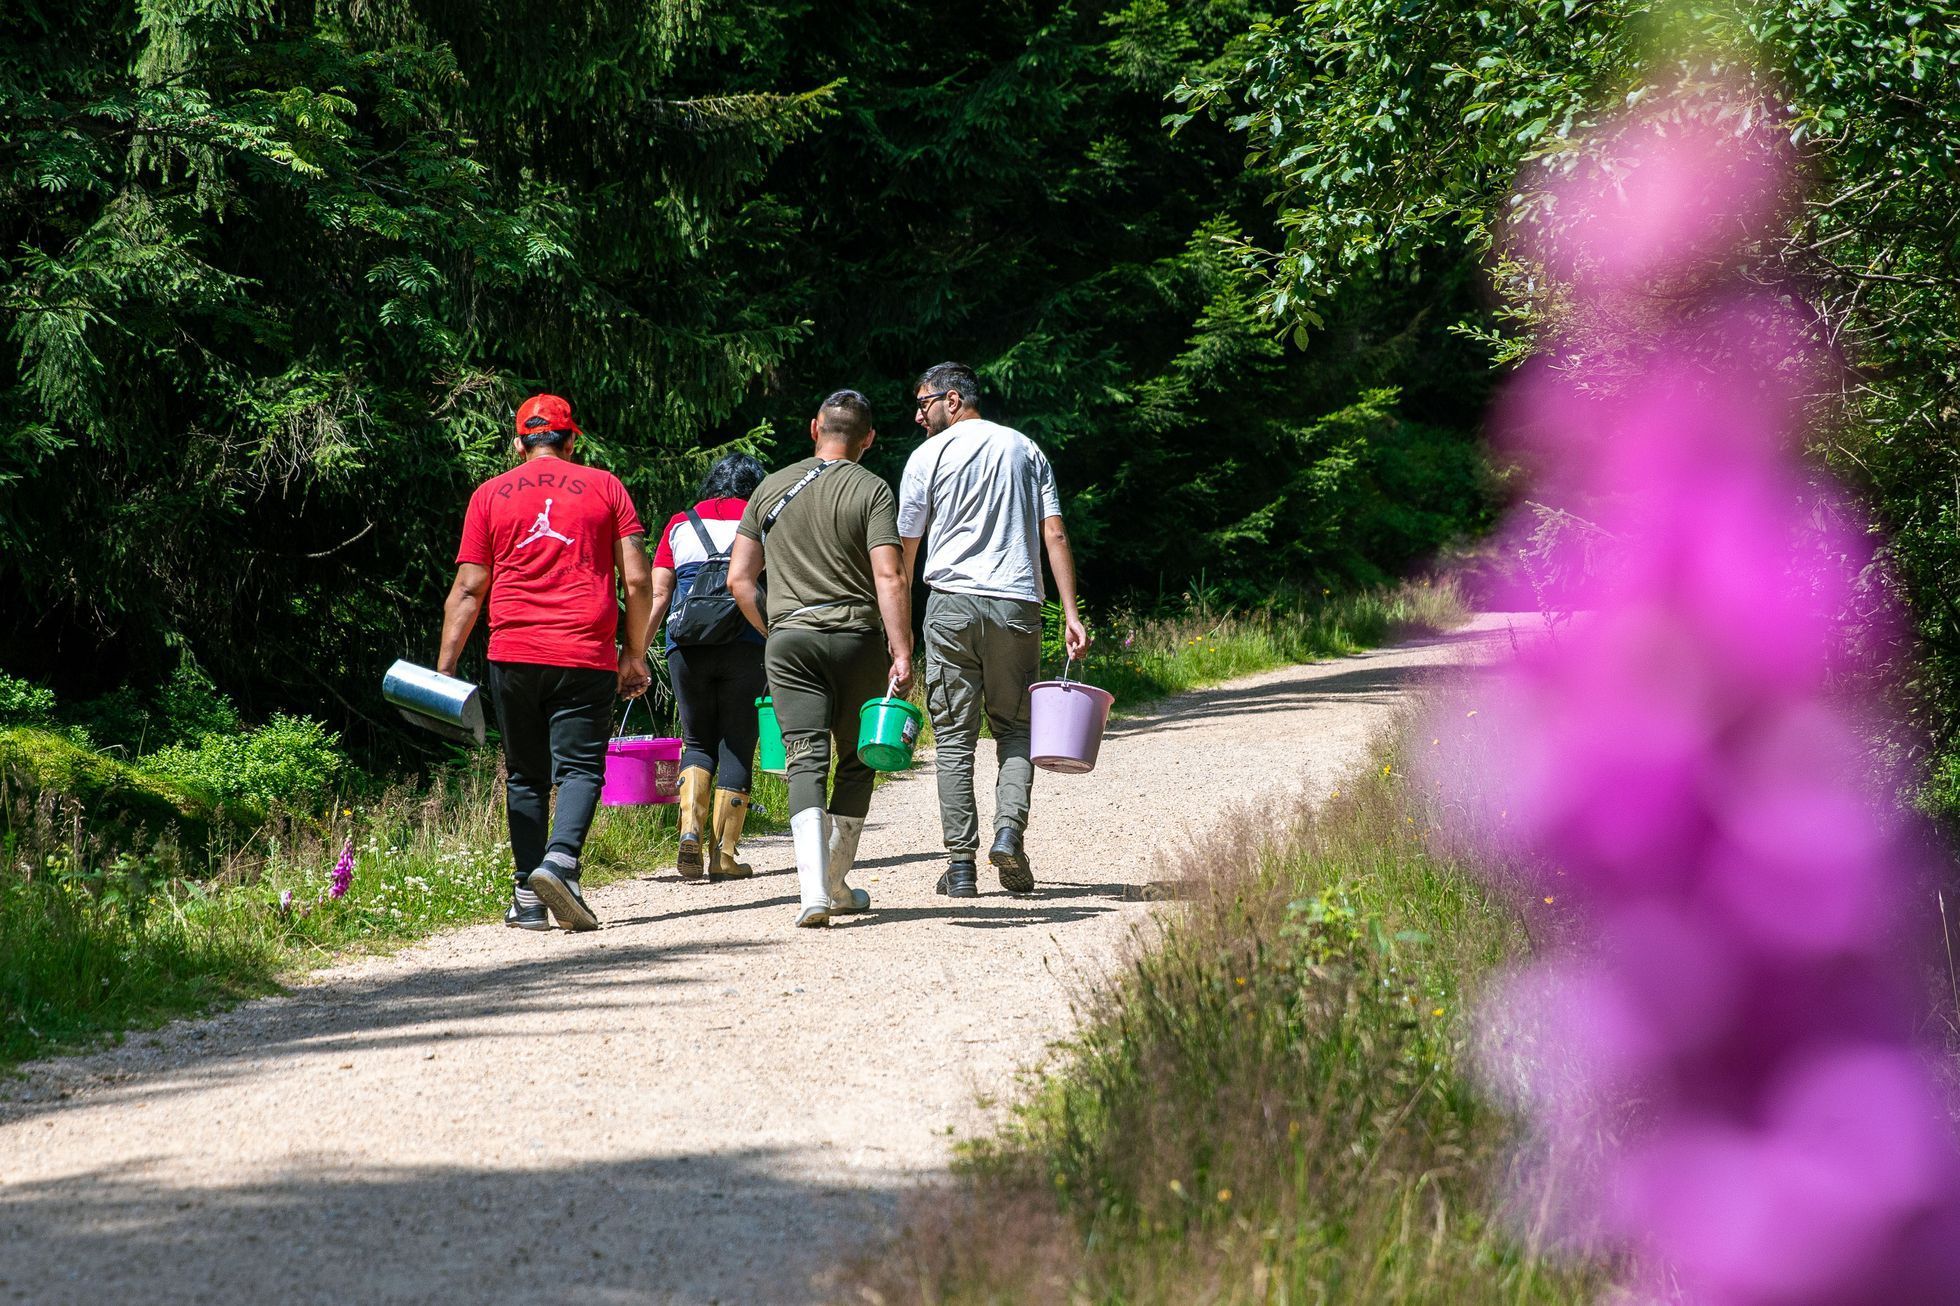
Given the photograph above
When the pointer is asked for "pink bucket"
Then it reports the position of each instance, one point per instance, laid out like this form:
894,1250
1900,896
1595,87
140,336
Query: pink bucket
1067,727
641,769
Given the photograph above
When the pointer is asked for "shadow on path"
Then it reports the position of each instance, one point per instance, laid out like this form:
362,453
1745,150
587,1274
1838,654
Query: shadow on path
440,1002
670,1228
1305,687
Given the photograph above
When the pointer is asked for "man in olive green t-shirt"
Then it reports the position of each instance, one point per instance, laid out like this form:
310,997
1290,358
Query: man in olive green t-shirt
826,531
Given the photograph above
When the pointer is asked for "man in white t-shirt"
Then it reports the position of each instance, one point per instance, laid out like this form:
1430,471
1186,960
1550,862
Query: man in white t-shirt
984,496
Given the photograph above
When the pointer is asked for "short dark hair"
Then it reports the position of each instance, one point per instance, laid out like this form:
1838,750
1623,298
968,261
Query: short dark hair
956,377
845,415
734,477
555,438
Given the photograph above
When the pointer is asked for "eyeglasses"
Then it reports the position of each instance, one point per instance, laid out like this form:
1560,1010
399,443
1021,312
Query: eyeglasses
927,401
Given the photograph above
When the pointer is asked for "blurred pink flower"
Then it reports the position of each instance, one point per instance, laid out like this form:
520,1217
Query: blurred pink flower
1727,1033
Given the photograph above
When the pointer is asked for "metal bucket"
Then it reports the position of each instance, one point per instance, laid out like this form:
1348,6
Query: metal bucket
452,708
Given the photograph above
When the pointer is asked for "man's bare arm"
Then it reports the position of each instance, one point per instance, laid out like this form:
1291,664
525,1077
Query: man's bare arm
911,548
895,608
744,570
636,574
1061,561
459,613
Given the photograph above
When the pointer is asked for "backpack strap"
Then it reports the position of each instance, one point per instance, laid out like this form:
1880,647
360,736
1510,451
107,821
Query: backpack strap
795,490
707,540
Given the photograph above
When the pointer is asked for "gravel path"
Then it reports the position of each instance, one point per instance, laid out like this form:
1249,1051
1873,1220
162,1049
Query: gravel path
697,1103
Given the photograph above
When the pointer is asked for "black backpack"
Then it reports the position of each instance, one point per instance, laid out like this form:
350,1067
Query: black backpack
708,614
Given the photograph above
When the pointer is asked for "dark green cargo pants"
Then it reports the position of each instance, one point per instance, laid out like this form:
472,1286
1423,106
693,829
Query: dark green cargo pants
981,655
819,679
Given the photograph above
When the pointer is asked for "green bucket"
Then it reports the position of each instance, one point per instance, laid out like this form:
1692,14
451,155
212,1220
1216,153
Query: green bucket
769,754
887,729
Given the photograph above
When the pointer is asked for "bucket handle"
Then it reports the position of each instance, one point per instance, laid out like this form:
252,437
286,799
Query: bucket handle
1065,666
641,699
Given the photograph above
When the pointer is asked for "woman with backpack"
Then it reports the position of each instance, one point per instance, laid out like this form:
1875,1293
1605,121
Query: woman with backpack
714,658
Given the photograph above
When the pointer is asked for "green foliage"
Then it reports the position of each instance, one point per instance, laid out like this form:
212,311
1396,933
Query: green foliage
293,761
191,707
1393,131
1271,1103
86,952
131,801
1013,199
22,703
276,274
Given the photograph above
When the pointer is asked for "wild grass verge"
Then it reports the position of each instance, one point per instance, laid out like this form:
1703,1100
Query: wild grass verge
1269,1105
99,936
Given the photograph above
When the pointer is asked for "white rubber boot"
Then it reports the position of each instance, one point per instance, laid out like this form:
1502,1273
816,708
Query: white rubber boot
844,900
809,831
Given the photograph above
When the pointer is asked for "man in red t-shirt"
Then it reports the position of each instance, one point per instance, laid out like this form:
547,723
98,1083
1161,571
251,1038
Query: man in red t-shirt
544,541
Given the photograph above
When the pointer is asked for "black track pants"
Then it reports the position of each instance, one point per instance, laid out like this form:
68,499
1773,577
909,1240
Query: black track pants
555,723
716,686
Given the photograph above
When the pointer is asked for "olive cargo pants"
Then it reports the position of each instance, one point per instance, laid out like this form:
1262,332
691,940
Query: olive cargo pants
981,655
819,679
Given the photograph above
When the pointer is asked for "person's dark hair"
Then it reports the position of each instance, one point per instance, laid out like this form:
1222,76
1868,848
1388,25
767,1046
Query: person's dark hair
538,439
734,477
846,415
957,377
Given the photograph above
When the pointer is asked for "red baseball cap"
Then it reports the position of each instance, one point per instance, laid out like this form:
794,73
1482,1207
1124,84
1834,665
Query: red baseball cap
545,413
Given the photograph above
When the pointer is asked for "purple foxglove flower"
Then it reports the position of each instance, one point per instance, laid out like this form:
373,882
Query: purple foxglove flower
1717,1062
343,871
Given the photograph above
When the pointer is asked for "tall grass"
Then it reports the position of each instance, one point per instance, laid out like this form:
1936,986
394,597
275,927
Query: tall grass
1270,1105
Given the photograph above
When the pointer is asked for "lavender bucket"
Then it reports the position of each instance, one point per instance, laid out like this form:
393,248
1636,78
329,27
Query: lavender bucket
1067,724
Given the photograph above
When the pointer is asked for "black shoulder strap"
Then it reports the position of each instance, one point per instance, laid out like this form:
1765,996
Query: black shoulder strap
707,540
795,490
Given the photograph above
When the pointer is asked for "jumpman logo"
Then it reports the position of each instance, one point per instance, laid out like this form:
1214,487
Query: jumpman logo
542,527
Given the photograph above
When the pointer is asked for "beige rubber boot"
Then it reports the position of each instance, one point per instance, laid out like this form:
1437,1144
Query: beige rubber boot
731,810
695,784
